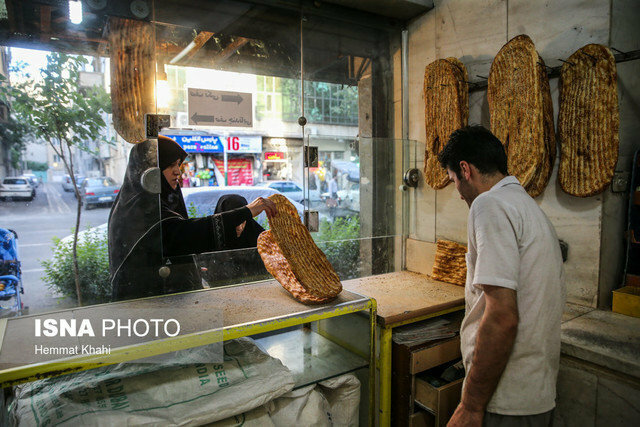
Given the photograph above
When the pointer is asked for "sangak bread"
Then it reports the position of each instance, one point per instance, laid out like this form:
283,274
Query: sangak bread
463,89
543,175
307,274
281,270
446,110
450,264
131,46
588,121
516,101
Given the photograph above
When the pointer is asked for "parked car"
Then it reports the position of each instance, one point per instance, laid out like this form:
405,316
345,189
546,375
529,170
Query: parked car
35,182
79,181
98,191
67,184
289,188
202,201
17,187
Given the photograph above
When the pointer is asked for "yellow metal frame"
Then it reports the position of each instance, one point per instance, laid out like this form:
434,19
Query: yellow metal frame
22,374
386,334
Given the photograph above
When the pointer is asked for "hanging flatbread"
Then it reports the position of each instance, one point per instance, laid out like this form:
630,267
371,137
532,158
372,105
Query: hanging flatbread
450,264
515,100
446,110
132,50
463,89
540,181
588,121
292,257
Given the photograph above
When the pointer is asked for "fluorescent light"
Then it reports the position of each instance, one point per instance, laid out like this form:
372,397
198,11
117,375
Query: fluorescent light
75,11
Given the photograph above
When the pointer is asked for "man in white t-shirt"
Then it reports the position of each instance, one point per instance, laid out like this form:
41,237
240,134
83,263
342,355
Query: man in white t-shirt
515,291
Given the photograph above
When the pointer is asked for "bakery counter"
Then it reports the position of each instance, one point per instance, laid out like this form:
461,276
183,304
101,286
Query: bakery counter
402,298
205,316
407,297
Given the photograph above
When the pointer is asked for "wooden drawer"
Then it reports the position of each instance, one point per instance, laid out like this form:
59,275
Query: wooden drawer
442,401
422,419
427,358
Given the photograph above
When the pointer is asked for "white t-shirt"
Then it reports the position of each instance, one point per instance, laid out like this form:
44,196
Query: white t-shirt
512,244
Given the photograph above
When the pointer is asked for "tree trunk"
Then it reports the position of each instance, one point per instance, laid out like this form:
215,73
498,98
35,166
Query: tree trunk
69,166
76,269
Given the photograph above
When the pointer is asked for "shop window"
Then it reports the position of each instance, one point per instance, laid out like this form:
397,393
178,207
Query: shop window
268,98
325,103
177,80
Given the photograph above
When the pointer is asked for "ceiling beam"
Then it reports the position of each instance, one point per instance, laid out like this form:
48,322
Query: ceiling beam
45,23
192,48
229,50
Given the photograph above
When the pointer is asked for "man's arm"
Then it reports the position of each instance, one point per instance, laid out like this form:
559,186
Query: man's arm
494,341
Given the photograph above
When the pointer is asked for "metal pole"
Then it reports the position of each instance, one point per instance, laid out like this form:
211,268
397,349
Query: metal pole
226,176
305,143
405,141
405,84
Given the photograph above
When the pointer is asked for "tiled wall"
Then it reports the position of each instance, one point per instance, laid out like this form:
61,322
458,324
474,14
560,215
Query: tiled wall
474,31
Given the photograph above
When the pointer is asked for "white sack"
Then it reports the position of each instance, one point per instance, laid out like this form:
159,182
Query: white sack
168,393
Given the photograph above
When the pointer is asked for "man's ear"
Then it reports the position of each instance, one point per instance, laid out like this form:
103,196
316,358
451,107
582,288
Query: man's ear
465,170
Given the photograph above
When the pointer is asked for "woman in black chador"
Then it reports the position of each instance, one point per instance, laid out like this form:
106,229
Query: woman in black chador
241,262
144,227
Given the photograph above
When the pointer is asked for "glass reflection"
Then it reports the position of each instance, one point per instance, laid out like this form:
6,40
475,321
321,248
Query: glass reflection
159,61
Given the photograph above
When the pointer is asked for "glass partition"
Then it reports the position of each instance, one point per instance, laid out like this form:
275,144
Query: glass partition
76,85
229,75
242,87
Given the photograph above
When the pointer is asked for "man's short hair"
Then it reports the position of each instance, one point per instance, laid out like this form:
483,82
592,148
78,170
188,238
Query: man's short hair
475,145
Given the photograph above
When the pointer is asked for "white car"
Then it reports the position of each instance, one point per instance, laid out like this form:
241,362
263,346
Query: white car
202,201
290,189
17,187
35,182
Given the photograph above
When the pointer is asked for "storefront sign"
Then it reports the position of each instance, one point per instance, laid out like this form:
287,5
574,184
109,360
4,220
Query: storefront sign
199,143
239,171
219,108
244,144
218,144
273,155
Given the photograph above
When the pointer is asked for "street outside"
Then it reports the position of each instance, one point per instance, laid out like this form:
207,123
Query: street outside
51,214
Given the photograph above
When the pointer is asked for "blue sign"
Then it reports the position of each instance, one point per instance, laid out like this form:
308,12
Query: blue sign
199,143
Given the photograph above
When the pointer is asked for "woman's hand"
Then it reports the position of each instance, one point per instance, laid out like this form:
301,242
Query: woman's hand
260,204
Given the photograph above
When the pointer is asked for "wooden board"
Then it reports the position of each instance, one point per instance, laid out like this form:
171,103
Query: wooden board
406,295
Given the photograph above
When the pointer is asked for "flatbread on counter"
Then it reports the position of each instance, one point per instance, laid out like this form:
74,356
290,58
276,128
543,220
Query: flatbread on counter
588,121
446,107
519,105
293,259
450,264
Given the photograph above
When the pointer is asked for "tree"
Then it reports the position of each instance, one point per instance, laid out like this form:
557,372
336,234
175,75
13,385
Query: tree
13,137
55,109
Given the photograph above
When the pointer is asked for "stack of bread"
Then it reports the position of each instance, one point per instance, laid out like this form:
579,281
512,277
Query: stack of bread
446,101
293,259
522,114
588,121
450,264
